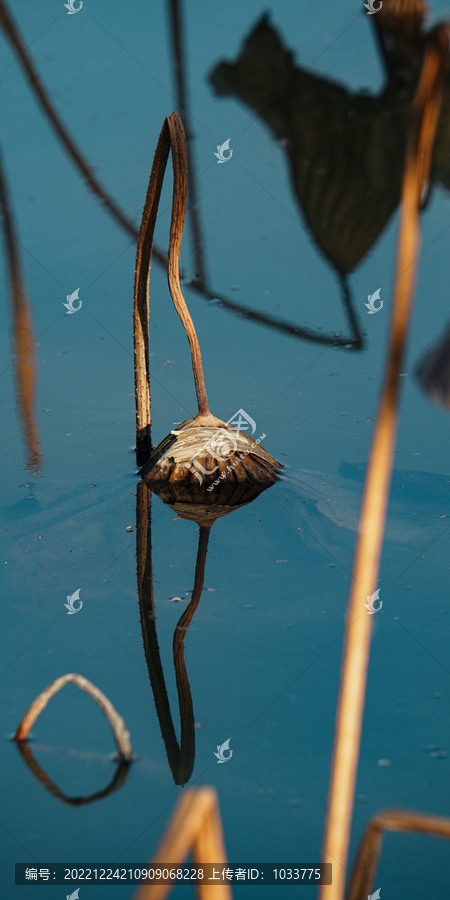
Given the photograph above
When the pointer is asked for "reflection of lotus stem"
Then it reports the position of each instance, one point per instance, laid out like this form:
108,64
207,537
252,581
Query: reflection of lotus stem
187,739
180,757
82,164
379,471
121,735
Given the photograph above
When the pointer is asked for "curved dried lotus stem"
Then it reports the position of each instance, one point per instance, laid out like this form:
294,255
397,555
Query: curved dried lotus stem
172,138
400,820
120,733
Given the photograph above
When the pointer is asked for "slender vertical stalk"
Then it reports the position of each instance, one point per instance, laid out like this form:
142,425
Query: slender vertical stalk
22,329
141,295
179,160
379,472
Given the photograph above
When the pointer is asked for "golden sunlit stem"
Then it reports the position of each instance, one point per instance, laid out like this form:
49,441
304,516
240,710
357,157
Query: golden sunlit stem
379,472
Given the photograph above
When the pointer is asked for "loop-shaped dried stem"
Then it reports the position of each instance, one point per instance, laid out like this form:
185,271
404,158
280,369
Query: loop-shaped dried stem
118,728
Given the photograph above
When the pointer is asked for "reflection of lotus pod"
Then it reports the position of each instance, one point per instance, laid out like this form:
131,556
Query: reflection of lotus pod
241,476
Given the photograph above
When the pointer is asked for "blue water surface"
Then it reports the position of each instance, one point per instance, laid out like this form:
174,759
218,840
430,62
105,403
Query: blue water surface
263,651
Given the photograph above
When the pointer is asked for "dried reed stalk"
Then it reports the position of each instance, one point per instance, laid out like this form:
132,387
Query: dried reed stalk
376,489
371,844
22,329
195,826
120,733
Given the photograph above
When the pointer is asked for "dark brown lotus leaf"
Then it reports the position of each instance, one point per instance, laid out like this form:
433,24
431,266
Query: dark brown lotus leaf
204,472
345,150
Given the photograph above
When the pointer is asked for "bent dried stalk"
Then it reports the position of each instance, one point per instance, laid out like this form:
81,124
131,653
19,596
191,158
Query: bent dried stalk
22,328
172,138
195,826
371,844
118,728
379,471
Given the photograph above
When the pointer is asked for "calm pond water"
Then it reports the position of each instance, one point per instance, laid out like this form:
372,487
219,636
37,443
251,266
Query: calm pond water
263,649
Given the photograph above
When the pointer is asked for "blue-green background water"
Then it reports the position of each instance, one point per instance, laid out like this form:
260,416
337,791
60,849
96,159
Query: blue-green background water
263,651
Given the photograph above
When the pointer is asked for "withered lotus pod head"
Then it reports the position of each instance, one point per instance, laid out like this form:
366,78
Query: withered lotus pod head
205,453
206,471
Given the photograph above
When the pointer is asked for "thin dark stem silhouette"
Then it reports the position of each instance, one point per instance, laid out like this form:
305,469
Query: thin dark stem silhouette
180,756
179,59
200,283
34,80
